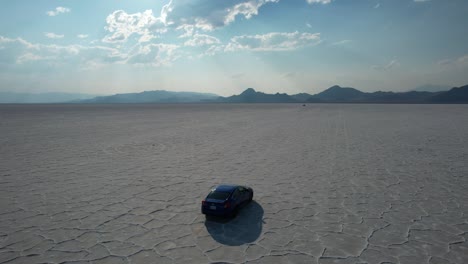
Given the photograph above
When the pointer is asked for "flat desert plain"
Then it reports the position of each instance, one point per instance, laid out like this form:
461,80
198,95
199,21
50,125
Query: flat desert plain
333,183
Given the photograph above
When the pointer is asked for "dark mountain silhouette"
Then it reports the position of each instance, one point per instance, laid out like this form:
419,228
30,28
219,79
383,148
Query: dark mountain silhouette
431,88
404,97
159,96
453,96
334,94
252,96
339,94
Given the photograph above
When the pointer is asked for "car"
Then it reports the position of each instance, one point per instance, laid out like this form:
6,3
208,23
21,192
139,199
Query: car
226,200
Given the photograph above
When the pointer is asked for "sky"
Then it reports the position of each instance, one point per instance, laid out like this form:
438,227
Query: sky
225,46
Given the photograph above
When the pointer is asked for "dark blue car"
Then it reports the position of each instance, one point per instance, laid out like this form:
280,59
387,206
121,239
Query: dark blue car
225,200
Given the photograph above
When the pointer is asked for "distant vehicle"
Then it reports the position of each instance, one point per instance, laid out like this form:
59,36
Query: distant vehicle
226,200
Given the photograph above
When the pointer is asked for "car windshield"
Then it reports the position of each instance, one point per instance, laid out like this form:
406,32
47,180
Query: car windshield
217,195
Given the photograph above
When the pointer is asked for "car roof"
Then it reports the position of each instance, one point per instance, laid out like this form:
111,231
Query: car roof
226,187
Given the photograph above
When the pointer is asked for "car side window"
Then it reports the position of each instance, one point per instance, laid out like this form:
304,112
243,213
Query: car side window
235,195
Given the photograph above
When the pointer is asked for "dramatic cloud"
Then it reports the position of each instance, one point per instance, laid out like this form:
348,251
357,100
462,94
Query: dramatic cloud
208,15
190,16
53,35
187,15
58,10
122,26
275,41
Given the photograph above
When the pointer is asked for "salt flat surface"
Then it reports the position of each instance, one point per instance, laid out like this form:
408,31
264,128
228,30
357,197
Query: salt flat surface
333,183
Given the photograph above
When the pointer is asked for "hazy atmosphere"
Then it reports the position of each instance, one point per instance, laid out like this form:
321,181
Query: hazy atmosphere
223,47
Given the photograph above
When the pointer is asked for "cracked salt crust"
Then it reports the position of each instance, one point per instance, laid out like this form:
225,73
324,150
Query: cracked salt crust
333,183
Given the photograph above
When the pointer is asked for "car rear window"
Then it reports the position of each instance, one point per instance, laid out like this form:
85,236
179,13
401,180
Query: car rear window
218,195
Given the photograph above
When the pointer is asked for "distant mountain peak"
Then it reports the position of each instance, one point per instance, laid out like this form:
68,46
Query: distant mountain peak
339,88
337,93
252,96
249,91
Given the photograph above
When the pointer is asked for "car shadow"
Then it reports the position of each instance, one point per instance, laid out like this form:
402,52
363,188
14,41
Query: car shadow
246,227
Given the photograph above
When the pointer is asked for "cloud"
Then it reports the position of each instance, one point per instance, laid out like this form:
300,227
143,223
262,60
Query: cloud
26,57
82,36
190,16
460,61
53,35
342,42
187,15
122,26
20,51
319,1
58,10
246,9
208,15
445,62
154,54
201,40
213,50
189,30
12,49
392,64
463,59
275,41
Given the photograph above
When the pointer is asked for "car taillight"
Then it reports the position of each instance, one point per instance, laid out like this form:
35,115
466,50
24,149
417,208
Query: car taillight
227,205
203,202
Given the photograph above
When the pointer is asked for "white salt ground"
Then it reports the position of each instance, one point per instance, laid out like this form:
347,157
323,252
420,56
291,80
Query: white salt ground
333,183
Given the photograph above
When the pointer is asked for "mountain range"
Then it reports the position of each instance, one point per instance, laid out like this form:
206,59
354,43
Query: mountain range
334,94
431,88
153,97
337,94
